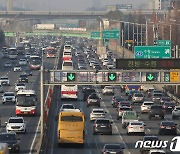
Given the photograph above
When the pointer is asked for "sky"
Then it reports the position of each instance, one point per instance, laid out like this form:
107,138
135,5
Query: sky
71,5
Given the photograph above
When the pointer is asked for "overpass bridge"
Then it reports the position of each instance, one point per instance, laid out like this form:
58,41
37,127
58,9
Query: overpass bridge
70,14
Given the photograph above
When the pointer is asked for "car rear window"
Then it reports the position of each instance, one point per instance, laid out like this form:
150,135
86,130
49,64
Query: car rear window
156,107
136,123
102,122
168,123
113,147
148,103
138,95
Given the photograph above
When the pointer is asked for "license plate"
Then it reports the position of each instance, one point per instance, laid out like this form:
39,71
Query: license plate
103,126
169,107
157,116
25,112
168,127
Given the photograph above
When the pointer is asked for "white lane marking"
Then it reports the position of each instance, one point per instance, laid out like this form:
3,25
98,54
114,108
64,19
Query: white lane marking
32,145
149,130
57,109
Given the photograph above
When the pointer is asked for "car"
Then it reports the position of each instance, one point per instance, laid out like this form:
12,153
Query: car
28,72
110,65
108,90
93,99
157,151
167,127
4,80
7,64
124,103
137,97
12,140
112,148
169,106
16,124
17,68
88,91
67,106
148,138
22,62
105,61
156,111
8,97
136,127
115,101
145,107
20,86
156,97
165,99
131,93
23,78
129,116
176,112
27,55
102,126
1,89
97,114
121,109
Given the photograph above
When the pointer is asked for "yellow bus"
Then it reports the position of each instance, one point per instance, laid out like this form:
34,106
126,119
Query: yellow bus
71,127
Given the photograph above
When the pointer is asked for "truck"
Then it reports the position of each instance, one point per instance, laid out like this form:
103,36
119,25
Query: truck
44,26
129,88
129,116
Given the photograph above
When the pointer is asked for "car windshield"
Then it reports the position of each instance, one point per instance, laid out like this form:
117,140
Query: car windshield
15,120
112,147
7,137
102,122
26,100
8,94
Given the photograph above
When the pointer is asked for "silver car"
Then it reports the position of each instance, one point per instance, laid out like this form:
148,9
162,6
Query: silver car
145,107
97,114
176,112
137,97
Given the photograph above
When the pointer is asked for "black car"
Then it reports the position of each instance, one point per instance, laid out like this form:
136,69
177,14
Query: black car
148,138
169,106
102,126
28,72
93,100
156,111
23,78
116,100
88,91
112,148
131,93
168,127
12,141
7,64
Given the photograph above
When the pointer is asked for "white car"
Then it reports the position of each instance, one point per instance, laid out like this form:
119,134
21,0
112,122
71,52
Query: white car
97,114
27,55
4,80
105,61
145,107
17,69
8,97
136,127
67,106
110,65
108,90
16,124
22,62
20,86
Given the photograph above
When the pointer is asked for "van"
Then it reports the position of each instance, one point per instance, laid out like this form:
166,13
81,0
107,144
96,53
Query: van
4,148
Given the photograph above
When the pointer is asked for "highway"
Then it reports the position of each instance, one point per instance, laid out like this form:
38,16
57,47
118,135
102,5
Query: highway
7,110
94,143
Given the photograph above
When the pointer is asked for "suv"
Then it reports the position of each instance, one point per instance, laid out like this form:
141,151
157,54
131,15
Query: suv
97,113
8,97
16,124
20,86
87,92
93,99
137,97
108,90
156,111
4,81
23,78
17,68
102,126
12,141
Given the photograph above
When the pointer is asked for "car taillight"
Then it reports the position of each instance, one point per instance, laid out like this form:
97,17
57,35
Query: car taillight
162,126
131,106
165,107
120,110
141,127
130,127
109,125
173,127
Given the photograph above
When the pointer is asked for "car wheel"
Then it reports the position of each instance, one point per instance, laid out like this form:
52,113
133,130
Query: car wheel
3,102
143,134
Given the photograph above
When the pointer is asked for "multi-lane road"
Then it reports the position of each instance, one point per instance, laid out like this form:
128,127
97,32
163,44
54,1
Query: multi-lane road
94,143
7,110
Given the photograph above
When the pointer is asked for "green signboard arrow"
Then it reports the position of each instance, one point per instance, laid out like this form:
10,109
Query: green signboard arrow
150,77
112,76
71,76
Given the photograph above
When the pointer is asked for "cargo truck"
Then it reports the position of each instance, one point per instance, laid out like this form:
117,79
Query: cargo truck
45,26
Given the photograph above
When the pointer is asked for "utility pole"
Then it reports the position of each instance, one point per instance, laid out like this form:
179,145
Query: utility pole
42,102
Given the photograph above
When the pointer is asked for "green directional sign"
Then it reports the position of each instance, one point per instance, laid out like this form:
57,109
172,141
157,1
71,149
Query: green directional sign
150,76
10,34
95,35
111,76
71,76
164,42
143,52
110,34
167,76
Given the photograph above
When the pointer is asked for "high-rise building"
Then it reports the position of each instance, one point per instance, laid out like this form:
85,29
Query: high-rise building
159,4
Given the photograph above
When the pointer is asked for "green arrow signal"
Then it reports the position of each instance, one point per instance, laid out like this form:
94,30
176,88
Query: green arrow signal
71,76
112,77
150,77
